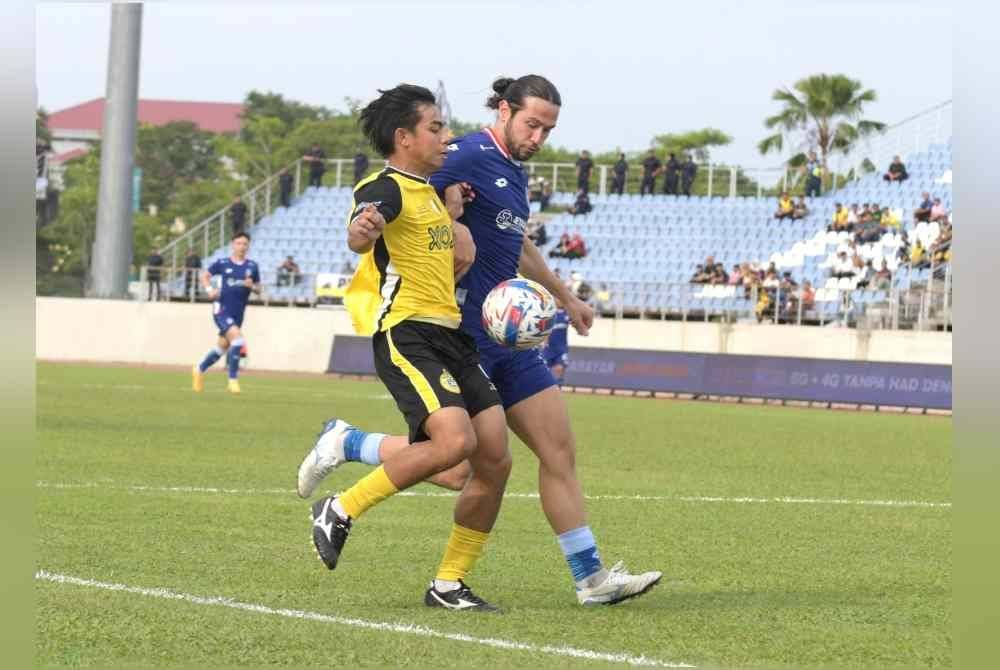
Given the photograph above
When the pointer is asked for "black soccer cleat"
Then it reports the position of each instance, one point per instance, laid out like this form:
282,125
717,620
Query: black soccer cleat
461,598
329,531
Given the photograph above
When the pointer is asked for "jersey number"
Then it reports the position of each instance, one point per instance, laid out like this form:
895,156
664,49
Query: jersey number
441,238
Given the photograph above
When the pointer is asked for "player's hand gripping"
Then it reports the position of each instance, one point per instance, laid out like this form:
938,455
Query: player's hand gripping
580,314
366,228
465,249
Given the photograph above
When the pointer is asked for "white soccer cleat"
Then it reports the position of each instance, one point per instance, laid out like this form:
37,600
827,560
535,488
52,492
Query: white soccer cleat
619,585
326,455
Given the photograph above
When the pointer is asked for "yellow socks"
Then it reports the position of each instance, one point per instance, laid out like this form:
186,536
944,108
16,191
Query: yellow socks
370,490
465,546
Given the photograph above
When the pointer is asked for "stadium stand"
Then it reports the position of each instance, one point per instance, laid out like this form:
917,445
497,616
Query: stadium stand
643,251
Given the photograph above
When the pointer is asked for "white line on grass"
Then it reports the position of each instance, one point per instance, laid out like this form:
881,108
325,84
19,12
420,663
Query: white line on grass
401,628
509,494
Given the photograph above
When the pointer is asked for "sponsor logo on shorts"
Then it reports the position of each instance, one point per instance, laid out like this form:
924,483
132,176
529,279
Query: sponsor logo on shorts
448,382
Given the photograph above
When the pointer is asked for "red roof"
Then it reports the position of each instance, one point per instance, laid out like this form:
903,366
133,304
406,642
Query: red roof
66,156
219,117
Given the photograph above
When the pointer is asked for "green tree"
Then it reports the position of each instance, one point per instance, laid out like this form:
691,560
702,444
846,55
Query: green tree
170,155
696,142
291,113
821,112
255,154
66,242
43,136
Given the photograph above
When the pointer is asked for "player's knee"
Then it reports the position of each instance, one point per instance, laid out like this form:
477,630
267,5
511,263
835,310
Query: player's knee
559,453
456,447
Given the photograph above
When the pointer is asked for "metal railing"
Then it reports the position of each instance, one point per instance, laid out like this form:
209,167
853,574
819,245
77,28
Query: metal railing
923,305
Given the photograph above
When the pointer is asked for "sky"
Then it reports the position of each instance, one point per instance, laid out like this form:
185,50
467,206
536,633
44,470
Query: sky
626,70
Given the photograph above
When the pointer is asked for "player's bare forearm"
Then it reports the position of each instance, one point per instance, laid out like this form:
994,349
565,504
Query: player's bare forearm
359,244
533,266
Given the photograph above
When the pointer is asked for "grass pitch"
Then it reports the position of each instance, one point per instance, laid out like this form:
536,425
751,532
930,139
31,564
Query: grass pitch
788,537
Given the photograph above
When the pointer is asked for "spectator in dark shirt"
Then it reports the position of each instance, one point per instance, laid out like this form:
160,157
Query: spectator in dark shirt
360,166
560,249
546,194
620,172
316,158
923,212
285,182
584,166
289,272
670,170
897,171
153,265
814,175
192,263
238,215
582,204
688,171
650,168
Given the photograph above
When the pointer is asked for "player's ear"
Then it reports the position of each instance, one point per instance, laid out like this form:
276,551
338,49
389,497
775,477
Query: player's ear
402,137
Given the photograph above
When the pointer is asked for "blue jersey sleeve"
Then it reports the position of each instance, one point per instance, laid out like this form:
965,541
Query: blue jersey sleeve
215,268
255,274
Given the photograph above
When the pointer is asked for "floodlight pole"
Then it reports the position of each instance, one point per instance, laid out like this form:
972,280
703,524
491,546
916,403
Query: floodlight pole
113,243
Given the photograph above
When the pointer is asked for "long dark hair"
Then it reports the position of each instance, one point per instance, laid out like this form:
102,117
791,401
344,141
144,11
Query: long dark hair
514,91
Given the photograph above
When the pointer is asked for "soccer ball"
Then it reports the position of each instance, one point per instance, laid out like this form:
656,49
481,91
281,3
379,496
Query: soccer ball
518,314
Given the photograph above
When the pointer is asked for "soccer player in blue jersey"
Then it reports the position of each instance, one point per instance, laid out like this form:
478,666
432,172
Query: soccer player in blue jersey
487,165
239,278
555,352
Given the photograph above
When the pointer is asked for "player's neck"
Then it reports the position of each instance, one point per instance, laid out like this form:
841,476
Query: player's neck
237,259
496,131
409,166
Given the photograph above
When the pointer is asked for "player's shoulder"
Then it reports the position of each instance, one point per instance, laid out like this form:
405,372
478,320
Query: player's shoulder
376,188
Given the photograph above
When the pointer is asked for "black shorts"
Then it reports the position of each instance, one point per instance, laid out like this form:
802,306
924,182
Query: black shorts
427,367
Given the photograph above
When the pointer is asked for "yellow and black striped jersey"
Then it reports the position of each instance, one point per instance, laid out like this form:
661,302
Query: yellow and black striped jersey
410,271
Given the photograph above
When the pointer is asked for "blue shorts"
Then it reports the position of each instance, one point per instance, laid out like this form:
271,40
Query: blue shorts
225,321
555,358
516,374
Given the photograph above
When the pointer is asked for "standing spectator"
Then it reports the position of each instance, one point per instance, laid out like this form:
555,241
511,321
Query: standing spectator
814,175
317,165
938,211
238,215
650,168
285,181
736,276
923,212
670,174
785,207
620,172
801,209
192,263
360,166
153,265
584,166
546,194
688,171
806,296
289,272
897,171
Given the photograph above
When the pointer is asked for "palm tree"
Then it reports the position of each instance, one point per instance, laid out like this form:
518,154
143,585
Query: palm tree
825,112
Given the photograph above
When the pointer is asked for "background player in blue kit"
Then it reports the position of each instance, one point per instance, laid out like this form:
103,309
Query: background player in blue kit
239,278
555,353
485,167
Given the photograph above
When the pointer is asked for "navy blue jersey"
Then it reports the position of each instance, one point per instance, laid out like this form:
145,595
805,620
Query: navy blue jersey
233,294
496,217
557,344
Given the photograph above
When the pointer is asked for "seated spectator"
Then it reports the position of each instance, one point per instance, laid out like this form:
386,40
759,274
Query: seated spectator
785,207
938,211
736,276
576,247
289,272
852,217
839,221
923,212
536,232
582,204
842,267
718,275
870,230
918,256
863,272
941,249
700,276
882,280
897,171
560,249
807,294
765,305
889,220
801,209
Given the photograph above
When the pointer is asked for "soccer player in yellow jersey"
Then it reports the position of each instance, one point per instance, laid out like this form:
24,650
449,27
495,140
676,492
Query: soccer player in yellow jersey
403,294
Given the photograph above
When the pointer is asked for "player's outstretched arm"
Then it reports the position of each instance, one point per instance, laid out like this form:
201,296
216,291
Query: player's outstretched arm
365,228
206,283
533,266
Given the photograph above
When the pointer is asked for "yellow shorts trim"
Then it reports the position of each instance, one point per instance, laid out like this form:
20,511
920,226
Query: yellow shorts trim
416,377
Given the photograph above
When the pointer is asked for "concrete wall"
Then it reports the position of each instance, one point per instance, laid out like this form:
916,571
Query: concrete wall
285,338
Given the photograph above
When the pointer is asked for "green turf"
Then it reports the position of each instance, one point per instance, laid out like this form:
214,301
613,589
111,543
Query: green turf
746,584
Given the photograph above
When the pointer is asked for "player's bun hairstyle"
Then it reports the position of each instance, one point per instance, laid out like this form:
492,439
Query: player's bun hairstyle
241,234
514,91
397,107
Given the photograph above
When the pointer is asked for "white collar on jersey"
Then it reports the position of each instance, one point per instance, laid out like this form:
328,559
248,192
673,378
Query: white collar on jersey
499,145
408,174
